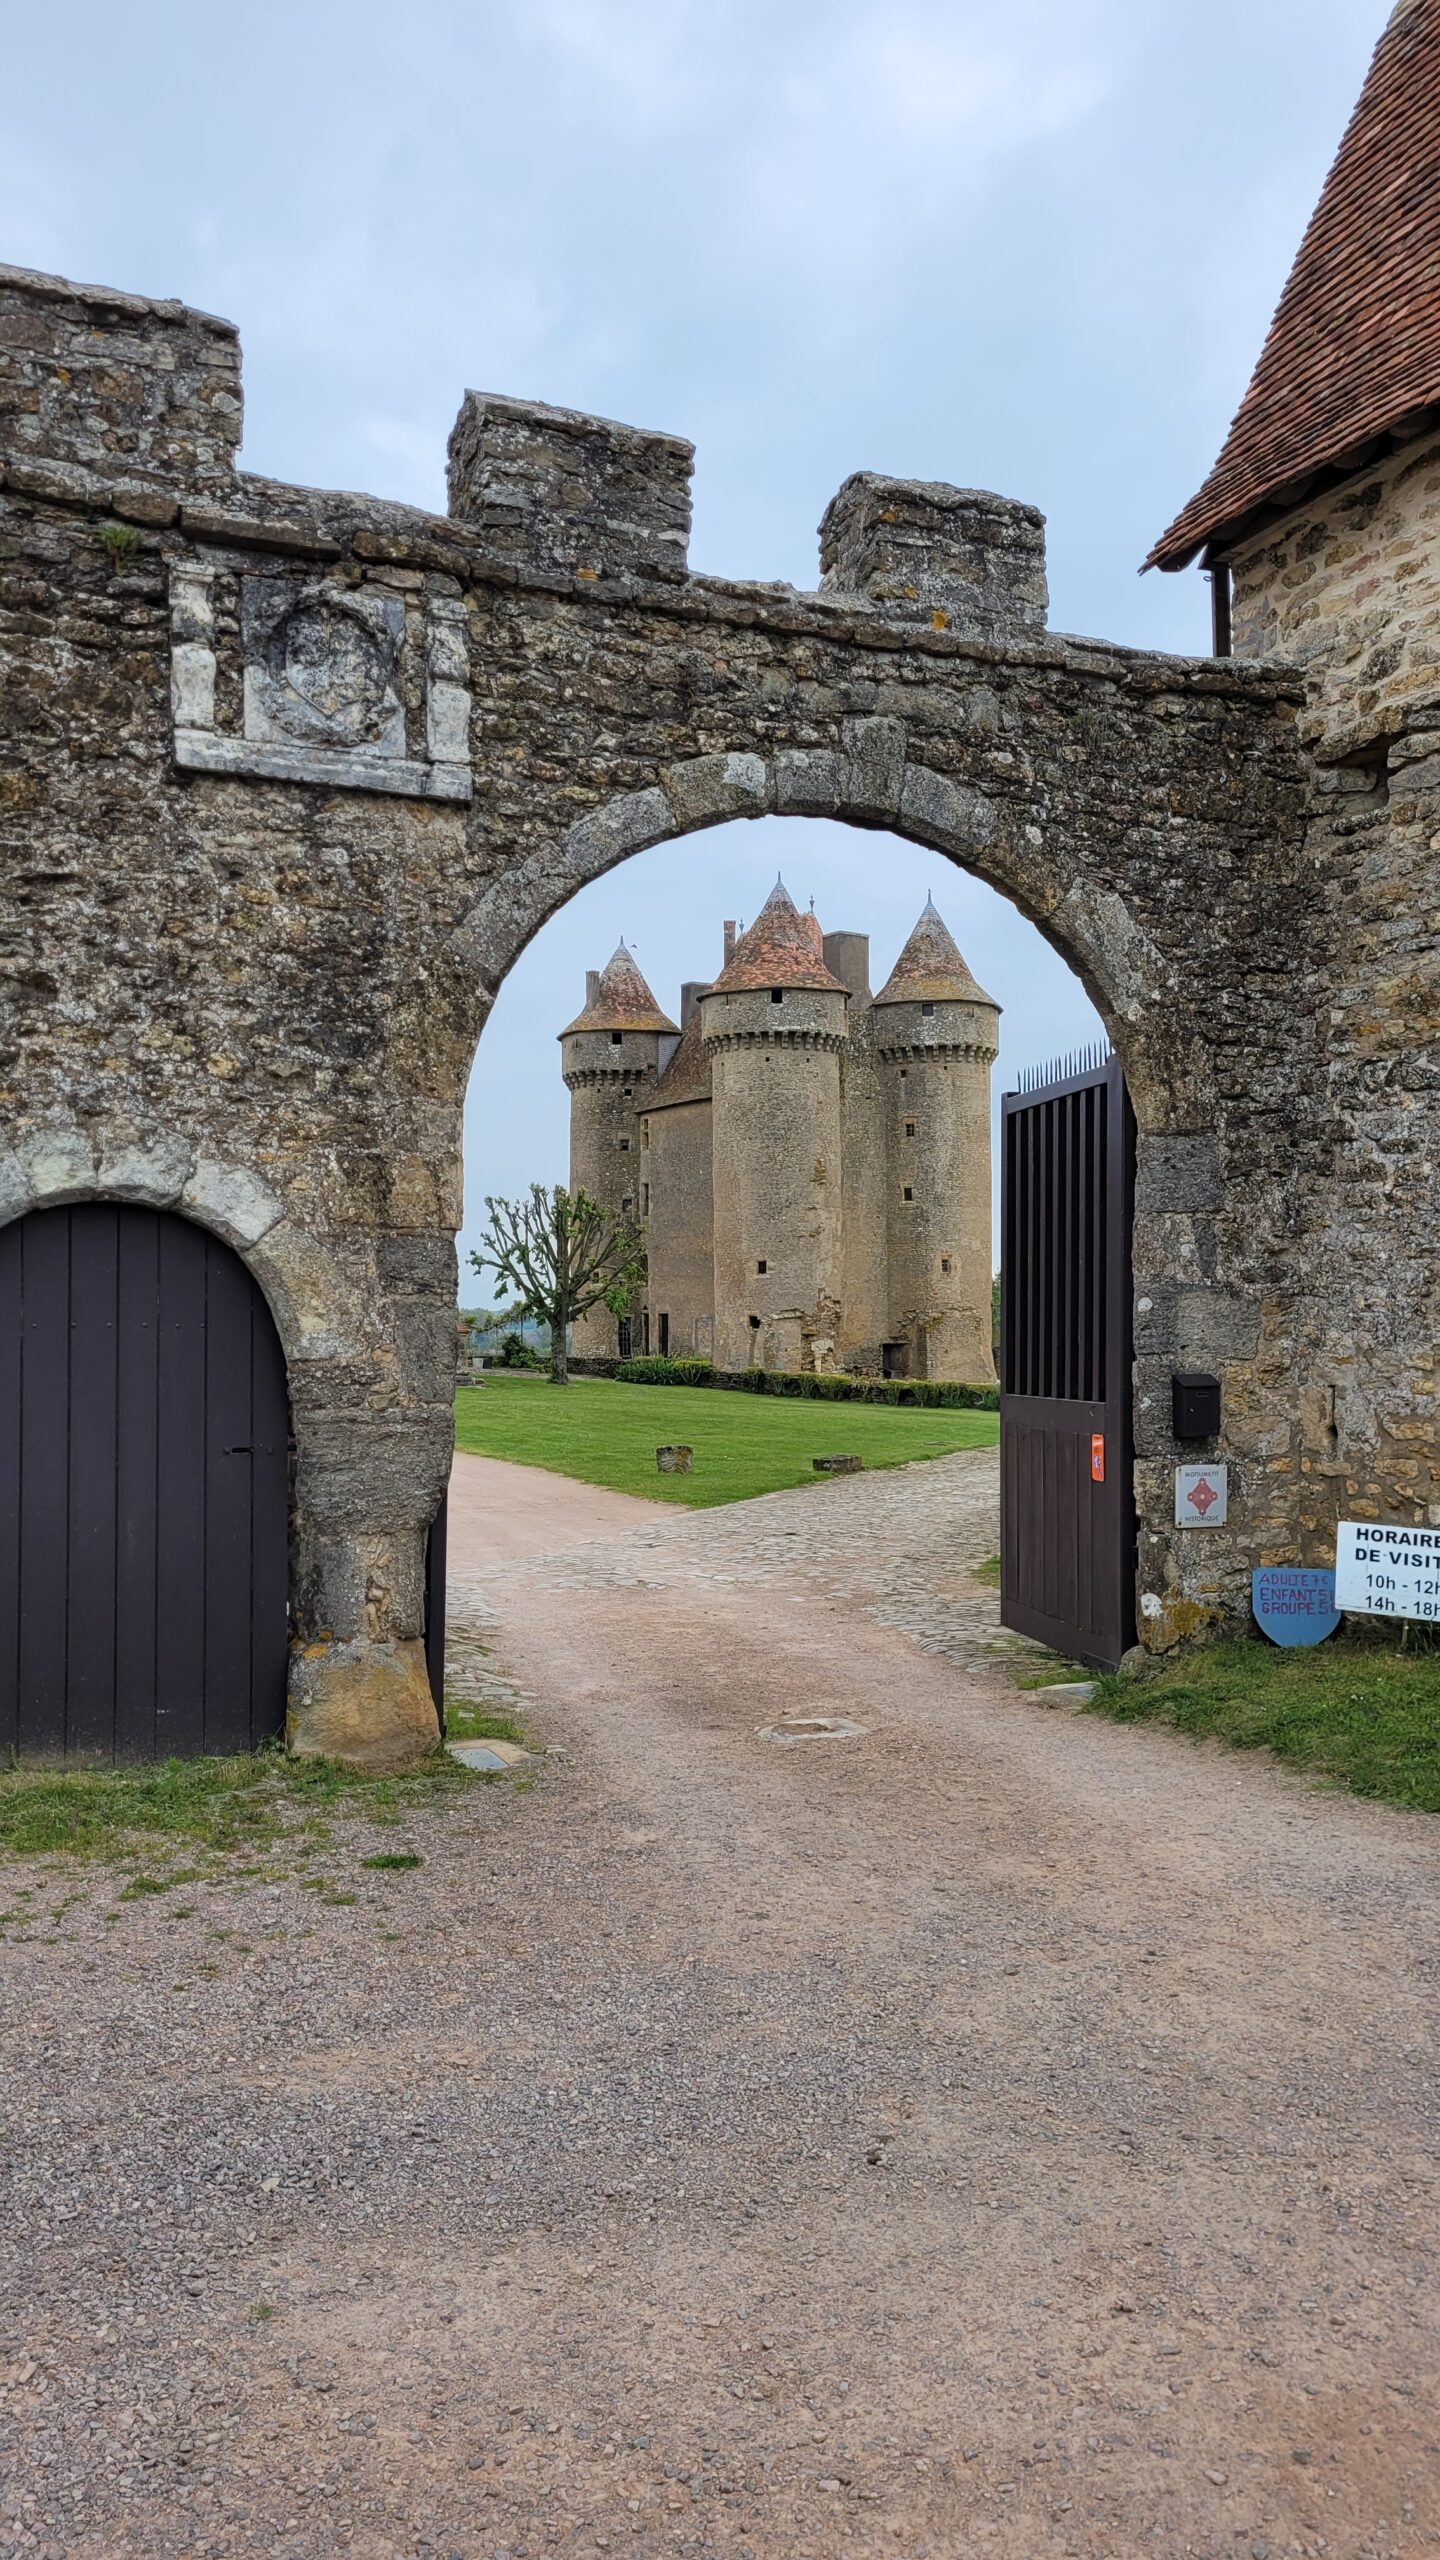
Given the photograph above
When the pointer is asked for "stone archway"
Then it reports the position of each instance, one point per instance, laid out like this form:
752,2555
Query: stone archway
262,976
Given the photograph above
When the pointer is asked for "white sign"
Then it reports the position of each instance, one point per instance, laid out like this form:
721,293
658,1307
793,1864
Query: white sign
1202,1497
1388,1571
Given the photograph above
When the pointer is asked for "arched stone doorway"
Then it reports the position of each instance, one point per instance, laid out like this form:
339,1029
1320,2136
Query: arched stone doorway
144,1489
279,940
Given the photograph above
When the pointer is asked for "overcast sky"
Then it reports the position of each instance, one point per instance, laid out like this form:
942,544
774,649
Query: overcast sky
1027,245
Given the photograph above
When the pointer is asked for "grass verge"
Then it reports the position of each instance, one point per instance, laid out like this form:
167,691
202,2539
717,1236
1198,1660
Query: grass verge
607,1433
1354,1712
194,1817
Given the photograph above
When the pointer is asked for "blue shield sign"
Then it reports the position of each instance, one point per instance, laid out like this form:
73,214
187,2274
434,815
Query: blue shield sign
1295,1604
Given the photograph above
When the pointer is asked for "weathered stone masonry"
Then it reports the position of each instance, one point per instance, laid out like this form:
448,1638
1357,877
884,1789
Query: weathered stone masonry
256,995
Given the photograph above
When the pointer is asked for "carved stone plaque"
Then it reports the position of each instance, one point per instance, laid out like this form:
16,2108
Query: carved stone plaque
324,684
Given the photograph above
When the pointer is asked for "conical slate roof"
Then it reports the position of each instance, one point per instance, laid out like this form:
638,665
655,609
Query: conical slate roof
622,1001
1354,348
930,969
783,948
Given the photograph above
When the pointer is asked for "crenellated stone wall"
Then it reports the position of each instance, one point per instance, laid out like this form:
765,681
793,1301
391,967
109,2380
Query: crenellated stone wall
256,993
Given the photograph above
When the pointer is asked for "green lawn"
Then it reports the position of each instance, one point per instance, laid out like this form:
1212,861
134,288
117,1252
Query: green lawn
1355,1711
608,1434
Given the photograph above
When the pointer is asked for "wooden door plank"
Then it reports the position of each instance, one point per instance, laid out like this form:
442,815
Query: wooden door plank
180,1503
137,1471
90,1588
45,1470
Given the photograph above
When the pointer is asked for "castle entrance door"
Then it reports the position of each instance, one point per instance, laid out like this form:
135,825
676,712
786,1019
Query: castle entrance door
1067,1511
144,1489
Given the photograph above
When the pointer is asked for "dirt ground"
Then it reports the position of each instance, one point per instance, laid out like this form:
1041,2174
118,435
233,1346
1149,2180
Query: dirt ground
1002,2132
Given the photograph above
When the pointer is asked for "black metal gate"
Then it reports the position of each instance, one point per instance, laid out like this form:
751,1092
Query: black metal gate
144,1489
1067,1509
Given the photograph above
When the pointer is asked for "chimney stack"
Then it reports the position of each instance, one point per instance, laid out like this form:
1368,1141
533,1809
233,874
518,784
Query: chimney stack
592,986
729,940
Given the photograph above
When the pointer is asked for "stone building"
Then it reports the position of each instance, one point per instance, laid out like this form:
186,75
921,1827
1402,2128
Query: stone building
809,1163
289,778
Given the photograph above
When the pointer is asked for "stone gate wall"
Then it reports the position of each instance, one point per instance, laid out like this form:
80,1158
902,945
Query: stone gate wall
291,778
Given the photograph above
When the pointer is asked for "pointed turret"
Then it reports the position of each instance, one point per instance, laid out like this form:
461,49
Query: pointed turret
611,1056
619,1000
783,948
931,969
774,1026
935,1036
1353,354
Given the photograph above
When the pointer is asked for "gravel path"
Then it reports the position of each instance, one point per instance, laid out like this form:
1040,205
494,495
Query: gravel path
1003,2133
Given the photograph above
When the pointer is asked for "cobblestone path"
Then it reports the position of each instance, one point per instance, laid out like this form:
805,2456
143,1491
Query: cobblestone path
902,1544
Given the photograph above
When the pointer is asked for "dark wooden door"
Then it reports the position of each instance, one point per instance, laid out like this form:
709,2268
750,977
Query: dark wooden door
1067,1505
144,1489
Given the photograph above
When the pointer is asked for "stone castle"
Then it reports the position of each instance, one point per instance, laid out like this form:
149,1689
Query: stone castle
809,1165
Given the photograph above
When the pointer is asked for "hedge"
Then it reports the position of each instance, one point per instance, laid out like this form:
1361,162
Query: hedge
820,1387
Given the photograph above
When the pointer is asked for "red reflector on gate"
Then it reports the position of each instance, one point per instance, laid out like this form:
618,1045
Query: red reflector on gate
1097,1457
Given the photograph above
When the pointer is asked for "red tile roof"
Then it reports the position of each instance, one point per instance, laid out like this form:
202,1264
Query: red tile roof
622,1001
930,969
781,949
1354,348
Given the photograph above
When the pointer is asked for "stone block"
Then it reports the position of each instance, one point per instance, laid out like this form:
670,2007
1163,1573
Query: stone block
555,490
59,1165
975,562
236,1204
1177,1174
136,391
958,815
368,1705
154,1175
16,1192
626,824
709,789
809,780
875,767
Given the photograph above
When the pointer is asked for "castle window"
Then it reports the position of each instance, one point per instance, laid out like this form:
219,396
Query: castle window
904,1073
644,1133
645,1203
944,1261
927,1009
777,995
627,1204
615,1038
754,1324
625,1092
762,1266
907,1193
664,1336
909,1130
627,1338
624,1146
645,1329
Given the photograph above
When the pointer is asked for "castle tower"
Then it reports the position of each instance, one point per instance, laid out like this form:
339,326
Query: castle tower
936,1039
610,1055
774,1027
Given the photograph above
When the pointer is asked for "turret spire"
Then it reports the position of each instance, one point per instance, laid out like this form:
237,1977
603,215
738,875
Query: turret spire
930,969
622,1001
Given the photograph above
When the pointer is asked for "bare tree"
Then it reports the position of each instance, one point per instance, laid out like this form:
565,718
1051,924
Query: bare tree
555,1255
